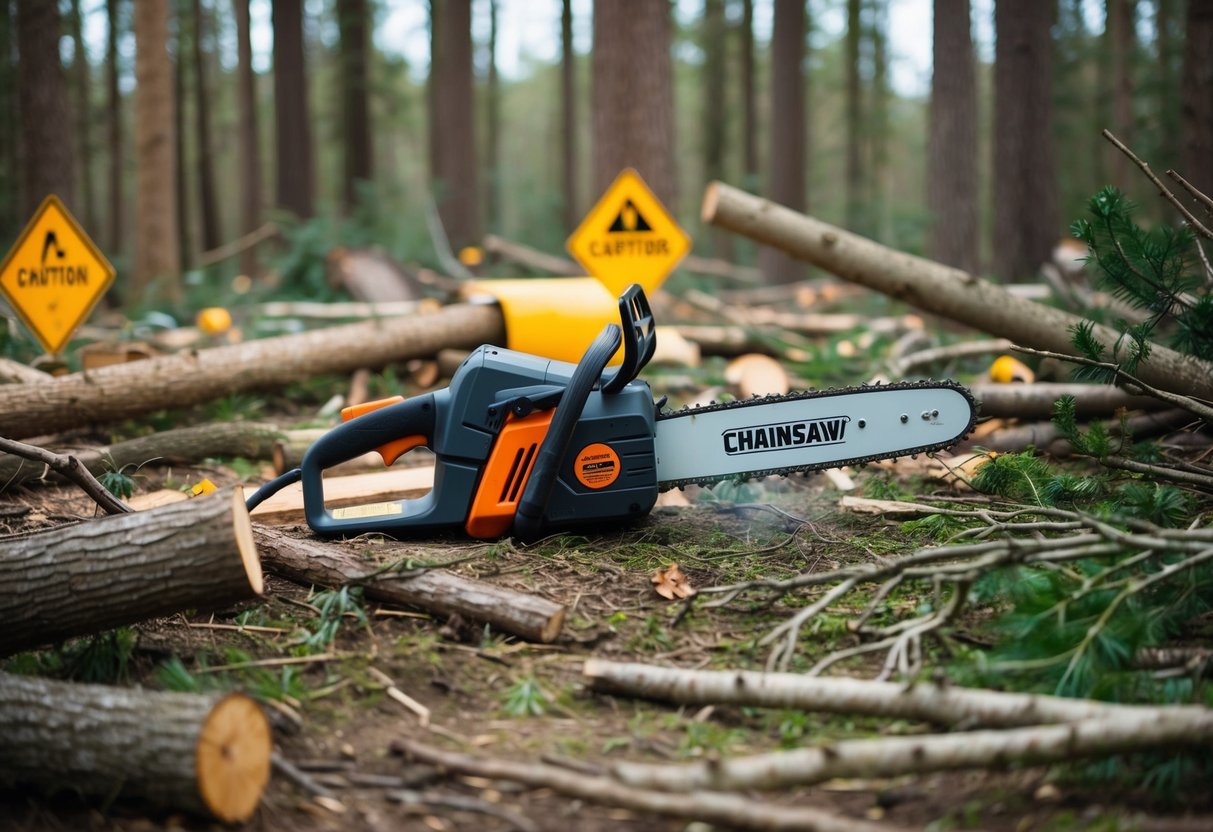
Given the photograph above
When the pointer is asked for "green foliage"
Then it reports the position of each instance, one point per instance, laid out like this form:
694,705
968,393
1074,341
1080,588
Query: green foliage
1155,270
333,605
1020,477
1162,505
173,675
526,698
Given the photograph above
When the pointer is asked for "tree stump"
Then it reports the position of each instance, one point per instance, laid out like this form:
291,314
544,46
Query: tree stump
198,554
209,755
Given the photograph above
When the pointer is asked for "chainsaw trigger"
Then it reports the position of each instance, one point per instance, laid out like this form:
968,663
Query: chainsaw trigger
392,451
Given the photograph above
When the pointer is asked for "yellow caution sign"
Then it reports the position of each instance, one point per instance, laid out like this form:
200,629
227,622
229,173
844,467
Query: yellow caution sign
629,237
54,275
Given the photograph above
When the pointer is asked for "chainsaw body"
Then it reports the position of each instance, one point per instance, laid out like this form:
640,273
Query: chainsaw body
523,443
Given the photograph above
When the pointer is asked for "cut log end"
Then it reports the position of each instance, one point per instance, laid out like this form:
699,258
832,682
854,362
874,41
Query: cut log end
552,627
711,197
233,758
243,528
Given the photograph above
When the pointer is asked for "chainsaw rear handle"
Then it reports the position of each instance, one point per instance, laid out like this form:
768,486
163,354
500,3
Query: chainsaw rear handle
413,420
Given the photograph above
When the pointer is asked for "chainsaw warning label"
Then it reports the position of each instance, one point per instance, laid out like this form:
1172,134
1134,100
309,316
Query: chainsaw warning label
596,466
827,431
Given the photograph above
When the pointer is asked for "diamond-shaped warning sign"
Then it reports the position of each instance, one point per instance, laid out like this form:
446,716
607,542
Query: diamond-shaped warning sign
54,275
629,237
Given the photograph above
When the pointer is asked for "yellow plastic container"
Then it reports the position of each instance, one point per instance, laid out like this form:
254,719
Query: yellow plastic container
556,317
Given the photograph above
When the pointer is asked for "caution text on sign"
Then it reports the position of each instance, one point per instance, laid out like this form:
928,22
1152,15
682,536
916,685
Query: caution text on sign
54,275
629,237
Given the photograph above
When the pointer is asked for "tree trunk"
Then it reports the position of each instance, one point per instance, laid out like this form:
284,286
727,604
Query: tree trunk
82,95
786,166
492,124
1025,178
182,191
156,254
123,390
932,287
749,100
249,146
454,169
633,96
249,440
354,91
9,128
445,593
715,108
1121,43
568,117
878,121
922,702
47,160
294,173
209,755
1197,93
113,126
854,107
952,140
83,579
208,210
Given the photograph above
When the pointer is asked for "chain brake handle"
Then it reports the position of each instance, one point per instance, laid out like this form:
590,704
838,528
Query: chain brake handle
639,336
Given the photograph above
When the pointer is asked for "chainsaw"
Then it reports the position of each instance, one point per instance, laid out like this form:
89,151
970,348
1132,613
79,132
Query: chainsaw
525,444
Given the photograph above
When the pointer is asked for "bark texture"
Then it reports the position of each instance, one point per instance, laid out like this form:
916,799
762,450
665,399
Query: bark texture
83,102
295,173
568,117
123,390
113,132
156,252
633,96
1197,96
445,593
786,166
1121,43
952,140
125,568
932,287
453,163
1026,225
209,755
47,160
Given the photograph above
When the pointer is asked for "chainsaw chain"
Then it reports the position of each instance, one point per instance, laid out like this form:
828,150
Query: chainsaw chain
813,393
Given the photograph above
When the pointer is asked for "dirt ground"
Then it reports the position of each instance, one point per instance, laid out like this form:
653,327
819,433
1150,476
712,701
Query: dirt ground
333,720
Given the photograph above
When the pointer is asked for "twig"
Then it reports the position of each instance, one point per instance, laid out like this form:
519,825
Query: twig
299,777
278,662
1175,475
420,711
1128,380
1196,224
722,809
968,349
442,245
1196,193
223,252
69,467
464,803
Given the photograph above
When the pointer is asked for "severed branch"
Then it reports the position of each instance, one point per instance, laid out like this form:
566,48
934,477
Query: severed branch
1131,382
896,756
920,701
723,809
70,468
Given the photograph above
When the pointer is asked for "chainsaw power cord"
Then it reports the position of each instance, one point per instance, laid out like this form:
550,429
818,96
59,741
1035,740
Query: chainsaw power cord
273,487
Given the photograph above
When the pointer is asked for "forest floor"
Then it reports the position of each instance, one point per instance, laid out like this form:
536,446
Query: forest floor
494,695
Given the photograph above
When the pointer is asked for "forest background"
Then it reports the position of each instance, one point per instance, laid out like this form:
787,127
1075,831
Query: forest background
173,128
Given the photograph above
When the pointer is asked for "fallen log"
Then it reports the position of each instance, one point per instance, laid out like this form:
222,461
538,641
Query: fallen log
727,810
935,288
1045,437
370,276
16,372
251,440
897,756
919,702
118,570
1035,401
438,591
209,755
125,390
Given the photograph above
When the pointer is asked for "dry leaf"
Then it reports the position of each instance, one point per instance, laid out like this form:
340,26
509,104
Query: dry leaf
671,583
